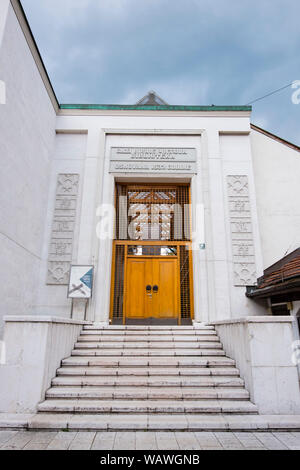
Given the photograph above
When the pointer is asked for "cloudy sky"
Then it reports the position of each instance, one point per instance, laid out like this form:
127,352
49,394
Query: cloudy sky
189,51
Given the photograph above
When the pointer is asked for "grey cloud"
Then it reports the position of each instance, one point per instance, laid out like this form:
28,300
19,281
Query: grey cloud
190,52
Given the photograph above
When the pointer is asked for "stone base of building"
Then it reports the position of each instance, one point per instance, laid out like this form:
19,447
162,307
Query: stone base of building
148,422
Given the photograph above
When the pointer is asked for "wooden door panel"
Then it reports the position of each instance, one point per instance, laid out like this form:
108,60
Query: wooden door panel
135,288
154,272
165,277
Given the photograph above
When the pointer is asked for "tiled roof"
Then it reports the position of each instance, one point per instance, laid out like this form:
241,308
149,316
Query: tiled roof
285,269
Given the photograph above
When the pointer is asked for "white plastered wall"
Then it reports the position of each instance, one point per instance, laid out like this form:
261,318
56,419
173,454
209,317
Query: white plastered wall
27,123
4,5
276,175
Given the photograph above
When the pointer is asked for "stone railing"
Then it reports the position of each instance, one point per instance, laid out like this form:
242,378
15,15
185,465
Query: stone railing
33,349
262,347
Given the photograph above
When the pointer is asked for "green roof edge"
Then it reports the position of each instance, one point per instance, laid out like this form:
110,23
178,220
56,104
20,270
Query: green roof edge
153,108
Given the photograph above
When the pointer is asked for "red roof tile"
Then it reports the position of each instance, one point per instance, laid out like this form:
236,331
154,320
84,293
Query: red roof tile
287,271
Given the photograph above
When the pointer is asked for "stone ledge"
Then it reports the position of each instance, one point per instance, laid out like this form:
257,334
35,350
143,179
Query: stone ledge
254,319
15,420
149,422
43,319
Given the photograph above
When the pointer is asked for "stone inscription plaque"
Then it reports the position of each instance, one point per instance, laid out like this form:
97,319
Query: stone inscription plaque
152,160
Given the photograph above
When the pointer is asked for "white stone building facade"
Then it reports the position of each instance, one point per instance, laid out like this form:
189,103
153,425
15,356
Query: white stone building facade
57,171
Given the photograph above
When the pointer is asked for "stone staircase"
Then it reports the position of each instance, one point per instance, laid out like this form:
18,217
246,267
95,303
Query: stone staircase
148,369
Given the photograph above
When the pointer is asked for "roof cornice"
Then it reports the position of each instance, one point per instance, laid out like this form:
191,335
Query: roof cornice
137,107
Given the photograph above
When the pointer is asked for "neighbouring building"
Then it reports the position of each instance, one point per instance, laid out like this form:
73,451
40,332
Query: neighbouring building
179,210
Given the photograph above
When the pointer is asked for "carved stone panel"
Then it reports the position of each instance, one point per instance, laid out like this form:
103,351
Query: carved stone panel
241,230
61,243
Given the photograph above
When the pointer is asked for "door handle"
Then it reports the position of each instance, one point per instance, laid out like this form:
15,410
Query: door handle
148,291
155,289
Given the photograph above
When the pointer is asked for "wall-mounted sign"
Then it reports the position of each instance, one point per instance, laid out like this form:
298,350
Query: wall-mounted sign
81,282
152,160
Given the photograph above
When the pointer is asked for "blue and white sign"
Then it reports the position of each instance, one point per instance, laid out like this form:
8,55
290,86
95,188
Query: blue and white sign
81,282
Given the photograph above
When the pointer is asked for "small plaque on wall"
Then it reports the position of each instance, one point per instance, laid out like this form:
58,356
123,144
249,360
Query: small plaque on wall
81,282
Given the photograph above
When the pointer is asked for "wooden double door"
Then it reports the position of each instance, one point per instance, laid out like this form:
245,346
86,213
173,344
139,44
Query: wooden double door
152,287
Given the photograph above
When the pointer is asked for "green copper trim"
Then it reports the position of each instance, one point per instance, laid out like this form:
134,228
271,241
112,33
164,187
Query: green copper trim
129,107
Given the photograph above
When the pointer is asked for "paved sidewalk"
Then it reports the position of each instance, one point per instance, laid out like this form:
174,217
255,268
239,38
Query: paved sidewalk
41,440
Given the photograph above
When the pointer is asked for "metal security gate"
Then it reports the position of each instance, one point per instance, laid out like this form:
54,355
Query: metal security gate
152,221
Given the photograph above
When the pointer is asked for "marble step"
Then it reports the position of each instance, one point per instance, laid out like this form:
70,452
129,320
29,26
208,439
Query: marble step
172,361
148,338
148,344
148,393
156,422
147,352
167,381
146,371
154,333
144,328
138,370
147,406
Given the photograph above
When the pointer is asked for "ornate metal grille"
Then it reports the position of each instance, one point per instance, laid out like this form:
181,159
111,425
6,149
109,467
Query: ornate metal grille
185,293
118,283
146,213
152,213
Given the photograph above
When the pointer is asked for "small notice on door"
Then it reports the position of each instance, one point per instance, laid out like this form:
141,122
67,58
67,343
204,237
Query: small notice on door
81,282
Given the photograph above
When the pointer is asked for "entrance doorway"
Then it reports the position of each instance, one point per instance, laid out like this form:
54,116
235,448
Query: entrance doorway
151,288
152,278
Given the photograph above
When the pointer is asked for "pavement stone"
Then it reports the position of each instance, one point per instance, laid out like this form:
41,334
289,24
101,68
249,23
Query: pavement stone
5,436
187,441
17,442
229,441
207,440
288,439
166,441
83,441
62,441
125,441
249,440
269,441
146,441
143,440
104,441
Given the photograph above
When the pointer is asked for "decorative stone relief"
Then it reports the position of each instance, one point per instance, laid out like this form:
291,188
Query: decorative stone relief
61,243
241,230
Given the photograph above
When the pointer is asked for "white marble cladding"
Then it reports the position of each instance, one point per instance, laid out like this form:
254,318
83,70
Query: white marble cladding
241,230
61,244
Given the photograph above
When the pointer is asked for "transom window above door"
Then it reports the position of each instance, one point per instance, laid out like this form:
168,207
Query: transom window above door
152,212
147,250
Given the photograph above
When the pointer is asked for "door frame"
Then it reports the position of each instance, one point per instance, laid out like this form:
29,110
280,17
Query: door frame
125,243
